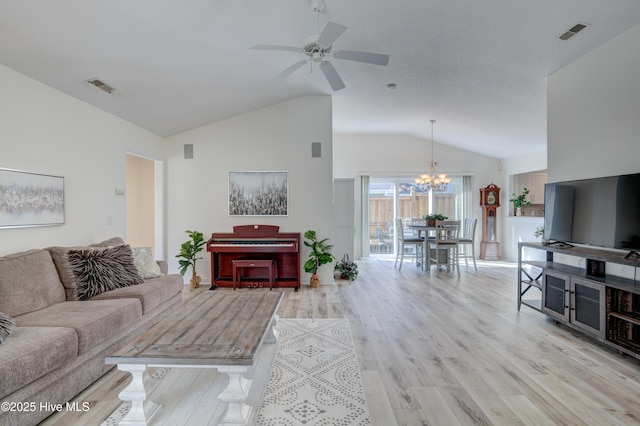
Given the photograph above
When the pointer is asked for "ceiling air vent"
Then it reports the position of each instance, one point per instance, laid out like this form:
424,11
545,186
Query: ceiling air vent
101,85
572,31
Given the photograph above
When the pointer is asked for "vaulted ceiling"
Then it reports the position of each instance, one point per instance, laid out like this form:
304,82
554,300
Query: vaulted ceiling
478,67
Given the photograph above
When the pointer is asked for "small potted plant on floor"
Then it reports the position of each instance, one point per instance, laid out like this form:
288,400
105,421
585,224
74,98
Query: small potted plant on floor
320,254
348,269
431,218
189,256
519,201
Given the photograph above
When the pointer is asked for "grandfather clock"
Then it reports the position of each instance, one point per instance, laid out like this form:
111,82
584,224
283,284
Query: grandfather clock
489,201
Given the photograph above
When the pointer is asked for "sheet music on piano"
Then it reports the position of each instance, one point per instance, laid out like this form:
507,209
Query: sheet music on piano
255,242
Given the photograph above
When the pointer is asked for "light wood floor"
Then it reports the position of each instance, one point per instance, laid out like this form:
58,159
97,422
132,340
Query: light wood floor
443,350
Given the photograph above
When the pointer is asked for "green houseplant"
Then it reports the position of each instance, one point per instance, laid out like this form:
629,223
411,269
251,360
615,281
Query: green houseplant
520,200
320,254
539,232
347,268
431,218
189,256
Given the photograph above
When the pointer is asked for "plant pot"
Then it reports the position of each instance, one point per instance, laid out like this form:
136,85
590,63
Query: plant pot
315,281
431,222
518,211
194,282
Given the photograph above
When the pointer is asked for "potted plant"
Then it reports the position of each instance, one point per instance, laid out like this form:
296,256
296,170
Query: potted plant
320,254
189,256
348,269
519,201
539,232
431,218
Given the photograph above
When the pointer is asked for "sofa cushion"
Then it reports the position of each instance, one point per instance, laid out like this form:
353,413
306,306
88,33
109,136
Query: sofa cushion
95,321
152,293
33,352
114,241
146,264
59,256
28,281
102,269
6,326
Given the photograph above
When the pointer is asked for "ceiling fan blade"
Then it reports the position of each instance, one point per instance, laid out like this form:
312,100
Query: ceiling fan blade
330,33
367,57
332,76
290,70
275,47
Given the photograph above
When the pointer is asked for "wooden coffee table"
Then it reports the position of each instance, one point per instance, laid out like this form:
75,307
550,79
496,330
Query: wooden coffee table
221,329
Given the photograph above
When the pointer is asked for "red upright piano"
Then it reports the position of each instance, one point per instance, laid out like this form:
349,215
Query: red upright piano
255,242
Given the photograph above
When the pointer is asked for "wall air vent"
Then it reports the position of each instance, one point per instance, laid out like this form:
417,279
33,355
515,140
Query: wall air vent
573,31
101,85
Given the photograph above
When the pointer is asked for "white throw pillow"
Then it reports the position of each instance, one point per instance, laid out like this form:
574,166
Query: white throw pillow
146,264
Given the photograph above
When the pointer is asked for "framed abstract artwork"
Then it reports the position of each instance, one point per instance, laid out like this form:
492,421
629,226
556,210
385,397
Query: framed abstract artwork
30,199
258,193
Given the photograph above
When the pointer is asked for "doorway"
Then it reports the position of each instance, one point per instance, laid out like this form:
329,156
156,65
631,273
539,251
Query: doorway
144,198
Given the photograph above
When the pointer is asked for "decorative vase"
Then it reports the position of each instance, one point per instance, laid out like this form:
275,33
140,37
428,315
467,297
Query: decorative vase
518,211
315,281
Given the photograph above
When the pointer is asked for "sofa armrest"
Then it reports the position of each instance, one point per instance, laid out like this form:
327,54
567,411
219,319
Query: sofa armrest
164,266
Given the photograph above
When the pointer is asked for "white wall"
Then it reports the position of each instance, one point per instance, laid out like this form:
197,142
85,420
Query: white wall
593,106
45,131
382,154
275,138
593,112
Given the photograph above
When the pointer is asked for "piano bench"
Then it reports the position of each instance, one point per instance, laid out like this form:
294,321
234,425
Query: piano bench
238,264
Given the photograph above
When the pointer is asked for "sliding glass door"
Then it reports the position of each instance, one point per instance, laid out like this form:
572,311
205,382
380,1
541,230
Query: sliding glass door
391,198
382,196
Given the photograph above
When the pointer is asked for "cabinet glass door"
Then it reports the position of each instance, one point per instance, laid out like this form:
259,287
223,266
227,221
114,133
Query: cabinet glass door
587,301
554,288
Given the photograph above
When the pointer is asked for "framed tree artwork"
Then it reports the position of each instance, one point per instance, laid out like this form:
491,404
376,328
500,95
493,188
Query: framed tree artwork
259,193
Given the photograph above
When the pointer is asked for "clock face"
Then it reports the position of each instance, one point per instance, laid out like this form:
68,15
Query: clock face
491,197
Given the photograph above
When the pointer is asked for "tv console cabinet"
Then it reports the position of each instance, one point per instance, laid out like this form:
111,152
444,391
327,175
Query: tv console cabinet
605,307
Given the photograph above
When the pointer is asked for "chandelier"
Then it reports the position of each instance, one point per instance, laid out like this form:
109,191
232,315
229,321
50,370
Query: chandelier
432,181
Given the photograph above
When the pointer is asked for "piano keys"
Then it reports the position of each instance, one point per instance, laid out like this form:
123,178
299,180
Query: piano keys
255,242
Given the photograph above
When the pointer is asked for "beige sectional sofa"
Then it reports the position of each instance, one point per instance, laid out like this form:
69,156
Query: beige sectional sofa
59,343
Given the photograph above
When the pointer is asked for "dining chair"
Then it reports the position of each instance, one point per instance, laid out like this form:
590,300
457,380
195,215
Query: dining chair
417,221
468,239
404,242
383,244
444,244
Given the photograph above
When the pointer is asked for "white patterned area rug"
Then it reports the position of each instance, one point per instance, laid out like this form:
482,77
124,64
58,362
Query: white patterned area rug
315,379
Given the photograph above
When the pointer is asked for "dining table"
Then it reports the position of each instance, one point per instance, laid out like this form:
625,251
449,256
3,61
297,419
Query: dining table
426,229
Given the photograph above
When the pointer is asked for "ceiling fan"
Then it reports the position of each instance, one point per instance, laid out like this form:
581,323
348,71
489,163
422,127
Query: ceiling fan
319,47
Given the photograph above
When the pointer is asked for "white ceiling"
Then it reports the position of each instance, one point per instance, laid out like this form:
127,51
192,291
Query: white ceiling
478,67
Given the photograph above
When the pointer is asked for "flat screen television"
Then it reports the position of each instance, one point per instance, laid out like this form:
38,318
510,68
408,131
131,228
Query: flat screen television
602,212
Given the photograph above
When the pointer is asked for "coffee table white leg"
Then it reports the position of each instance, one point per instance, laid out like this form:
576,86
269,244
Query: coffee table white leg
142,408
235,395
272,333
